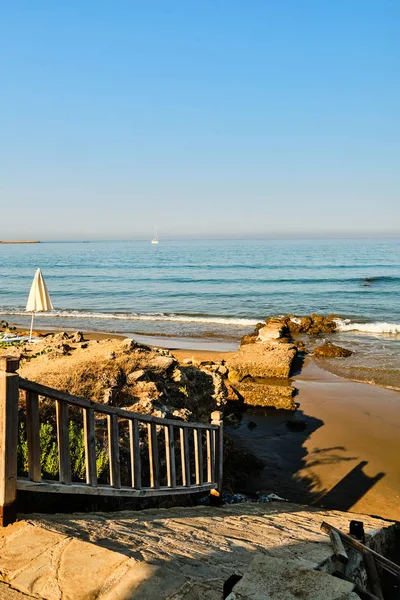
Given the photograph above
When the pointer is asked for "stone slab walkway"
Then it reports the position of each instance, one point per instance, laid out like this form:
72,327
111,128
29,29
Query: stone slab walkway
174,554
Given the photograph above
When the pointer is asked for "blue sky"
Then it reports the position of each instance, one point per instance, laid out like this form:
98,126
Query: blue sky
209,118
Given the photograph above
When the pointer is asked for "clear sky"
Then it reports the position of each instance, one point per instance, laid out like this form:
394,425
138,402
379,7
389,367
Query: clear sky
206,118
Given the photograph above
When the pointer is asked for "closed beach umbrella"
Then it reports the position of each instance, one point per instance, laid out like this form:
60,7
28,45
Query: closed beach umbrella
39,299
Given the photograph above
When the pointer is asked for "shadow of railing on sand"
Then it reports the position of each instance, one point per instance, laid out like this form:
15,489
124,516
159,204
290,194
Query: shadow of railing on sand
350,489
290,470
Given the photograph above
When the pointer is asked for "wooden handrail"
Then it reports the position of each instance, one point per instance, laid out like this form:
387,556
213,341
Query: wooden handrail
178,463
53,394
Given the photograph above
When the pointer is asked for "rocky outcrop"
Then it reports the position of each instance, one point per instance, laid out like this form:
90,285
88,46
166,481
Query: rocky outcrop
311,325
271,332
126,374
270,359
332,351
289,325
266,394
267,354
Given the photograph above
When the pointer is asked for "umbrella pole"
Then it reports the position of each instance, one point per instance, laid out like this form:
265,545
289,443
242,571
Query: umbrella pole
30,335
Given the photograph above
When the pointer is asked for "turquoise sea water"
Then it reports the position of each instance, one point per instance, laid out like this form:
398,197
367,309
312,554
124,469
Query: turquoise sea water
205,288
207,294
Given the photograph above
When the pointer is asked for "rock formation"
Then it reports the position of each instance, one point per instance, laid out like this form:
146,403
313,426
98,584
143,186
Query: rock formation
332,351
263,357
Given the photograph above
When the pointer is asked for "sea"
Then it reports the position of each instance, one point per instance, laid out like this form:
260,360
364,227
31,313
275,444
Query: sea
208,293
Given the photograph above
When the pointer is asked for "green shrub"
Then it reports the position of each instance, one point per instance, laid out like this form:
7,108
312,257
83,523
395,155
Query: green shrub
49,452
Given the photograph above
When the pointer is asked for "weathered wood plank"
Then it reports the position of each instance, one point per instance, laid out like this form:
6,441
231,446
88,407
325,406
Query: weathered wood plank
153,456
33,437
90,446
338,547
53,394
185,457
373,577
134,446
104,490
170,455
218,435
113,449
64,453
382,561
9,393
198,456
210,456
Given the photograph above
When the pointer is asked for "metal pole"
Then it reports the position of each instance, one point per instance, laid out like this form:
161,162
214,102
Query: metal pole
30,335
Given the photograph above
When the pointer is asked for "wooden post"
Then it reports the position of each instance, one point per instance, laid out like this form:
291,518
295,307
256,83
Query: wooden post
216,419
90,446
338,547
210,456
373,577
170,455
198,456
64,451
9,392
153,456
113,451
33,435
134,444
185,457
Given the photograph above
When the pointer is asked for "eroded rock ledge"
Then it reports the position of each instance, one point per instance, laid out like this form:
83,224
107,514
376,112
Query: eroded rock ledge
259,372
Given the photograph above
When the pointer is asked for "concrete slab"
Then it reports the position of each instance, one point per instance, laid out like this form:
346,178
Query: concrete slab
7,593
278,579
179,553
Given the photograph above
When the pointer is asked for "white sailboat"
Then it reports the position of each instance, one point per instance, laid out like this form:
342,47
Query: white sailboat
155,238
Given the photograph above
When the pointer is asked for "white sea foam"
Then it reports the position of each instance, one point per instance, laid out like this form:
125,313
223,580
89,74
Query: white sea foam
76,314
374,327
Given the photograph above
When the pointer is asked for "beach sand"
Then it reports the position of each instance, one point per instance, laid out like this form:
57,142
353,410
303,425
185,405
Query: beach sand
346,458
353,458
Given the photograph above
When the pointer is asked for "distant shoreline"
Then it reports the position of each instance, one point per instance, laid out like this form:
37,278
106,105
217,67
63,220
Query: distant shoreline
19,242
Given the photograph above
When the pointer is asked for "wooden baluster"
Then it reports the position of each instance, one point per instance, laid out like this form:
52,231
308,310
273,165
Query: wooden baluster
153,456
33,437
9,393
134,444
185,456
90,446
210,456
113,448
170,455
64,453
198,455
216,419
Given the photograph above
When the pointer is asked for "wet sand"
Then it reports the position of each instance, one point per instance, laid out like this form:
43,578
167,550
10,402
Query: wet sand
347,456
354,456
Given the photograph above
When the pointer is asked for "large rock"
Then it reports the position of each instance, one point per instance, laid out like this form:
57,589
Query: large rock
311,325
332,351
271,331
266,395
263,360
274,578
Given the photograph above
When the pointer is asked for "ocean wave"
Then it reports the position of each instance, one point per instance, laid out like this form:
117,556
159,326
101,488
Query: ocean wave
374,327
77,314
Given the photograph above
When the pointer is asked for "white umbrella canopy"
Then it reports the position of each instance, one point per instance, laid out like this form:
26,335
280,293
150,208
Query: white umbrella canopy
39,299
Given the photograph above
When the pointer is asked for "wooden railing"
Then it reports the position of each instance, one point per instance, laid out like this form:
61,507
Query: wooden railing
199,446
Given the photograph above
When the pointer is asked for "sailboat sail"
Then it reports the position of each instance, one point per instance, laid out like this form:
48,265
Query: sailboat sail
155,238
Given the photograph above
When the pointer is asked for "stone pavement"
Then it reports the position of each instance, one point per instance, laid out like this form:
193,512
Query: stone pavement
174,554
7,593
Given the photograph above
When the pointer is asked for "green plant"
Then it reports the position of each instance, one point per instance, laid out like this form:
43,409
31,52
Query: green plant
49,452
